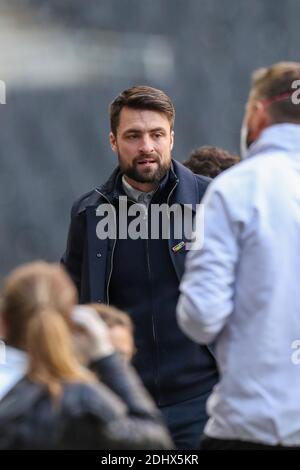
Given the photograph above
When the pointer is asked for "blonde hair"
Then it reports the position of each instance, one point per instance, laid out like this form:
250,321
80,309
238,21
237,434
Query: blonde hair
36,306
276,82
113,316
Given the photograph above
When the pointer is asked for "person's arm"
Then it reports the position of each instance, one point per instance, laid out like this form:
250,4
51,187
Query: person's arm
126,415
73,256
207,287
124,381
96,346
100,419
140,426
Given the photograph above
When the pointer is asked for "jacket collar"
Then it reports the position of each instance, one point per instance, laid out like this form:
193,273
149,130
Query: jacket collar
185,193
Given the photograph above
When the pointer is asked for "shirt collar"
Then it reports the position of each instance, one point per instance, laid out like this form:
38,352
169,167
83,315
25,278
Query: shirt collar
136,195
278,137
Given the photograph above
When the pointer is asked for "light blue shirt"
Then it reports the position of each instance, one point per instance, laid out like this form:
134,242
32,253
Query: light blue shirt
242,292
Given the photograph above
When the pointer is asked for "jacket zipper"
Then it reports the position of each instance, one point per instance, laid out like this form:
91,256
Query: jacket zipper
156,376
112,253
171,192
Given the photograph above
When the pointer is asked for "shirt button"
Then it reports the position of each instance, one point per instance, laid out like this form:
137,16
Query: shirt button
98,255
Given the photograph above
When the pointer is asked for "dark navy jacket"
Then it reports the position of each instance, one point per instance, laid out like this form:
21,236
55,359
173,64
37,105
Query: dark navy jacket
173,368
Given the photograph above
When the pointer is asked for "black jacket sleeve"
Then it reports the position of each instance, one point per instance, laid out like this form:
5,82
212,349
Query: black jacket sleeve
124,381
115,413
140,426
72,259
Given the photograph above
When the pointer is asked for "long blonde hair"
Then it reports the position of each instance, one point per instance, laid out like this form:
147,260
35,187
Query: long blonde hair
36,306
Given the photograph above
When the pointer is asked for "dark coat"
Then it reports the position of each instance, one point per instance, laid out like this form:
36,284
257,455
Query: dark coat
89,260
115,413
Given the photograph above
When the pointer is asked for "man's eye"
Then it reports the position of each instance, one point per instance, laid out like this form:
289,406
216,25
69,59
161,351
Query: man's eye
157,135
132,136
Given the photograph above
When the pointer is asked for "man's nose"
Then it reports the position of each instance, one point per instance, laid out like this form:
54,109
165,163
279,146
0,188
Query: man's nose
146,145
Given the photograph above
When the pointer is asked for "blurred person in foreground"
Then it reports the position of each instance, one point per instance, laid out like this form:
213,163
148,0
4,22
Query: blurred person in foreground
210,161
241,290
55,402
120,329
140,274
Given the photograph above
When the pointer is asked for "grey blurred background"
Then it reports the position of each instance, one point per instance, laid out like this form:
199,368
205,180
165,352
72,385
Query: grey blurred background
64,61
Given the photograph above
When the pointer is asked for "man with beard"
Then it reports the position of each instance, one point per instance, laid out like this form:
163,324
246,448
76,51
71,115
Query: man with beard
141,275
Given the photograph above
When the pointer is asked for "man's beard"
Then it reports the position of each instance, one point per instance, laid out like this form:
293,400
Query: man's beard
145,175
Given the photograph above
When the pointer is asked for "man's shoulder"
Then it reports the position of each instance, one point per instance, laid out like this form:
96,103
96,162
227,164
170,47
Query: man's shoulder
245,174
191,185
202,183
96,196
90,198
202,180
185,173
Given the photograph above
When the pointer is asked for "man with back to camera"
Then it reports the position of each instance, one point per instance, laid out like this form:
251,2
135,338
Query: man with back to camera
242,289
141,276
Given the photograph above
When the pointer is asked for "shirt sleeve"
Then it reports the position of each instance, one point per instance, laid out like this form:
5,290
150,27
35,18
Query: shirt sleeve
208,285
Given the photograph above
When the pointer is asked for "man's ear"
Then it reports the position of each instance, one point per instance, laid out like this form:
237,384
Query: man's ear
259,121
113,141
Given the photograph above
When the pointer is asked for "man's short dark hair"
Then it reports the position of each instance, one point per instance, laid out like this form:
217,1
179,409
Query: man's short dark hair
210,161
141,97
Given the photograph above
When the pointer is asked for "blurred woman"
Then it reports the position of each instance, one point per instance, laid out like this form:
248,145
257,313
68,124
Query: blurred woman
121,329
58,403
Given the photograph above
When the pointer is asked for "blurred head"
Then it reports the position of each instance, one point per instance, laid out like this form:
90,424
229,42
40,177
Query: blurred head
142,121
270,100
121,329
210,161
36,313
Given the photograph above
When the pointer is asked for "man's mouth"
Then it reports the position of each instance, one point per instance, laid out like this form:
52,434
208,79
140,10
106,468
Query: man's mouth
146,162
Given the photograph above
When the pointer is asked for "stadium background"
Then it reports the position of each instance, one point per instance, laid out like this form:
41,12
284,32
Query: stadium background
64,61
